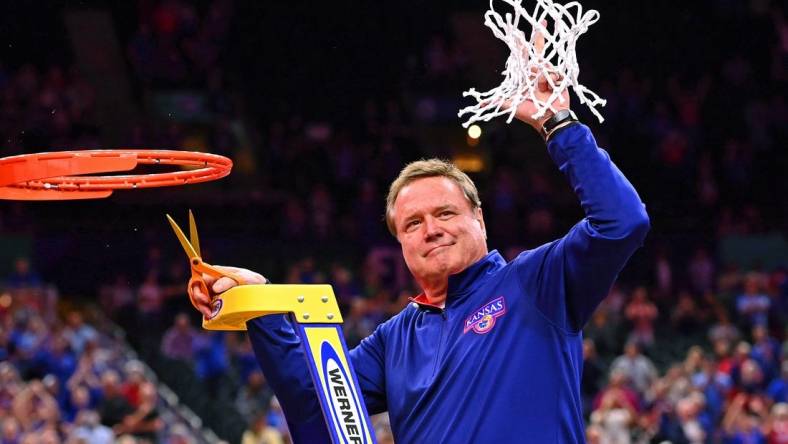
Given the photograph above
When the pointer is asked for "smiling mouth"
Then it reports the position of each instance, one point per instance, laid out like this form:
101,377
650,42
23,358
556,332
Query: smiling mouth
432,250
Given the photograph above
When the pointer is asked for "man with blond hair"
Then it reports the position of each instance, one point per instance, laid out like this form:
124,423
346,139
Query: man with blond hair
490,351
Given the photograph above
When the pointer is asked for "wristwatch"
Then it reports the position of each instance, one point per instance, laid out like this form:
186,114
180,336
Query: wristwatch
562,118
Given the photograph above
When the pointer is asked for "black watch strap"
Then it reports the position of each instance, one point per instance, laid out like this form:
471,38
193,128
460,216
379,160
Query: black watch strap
559,119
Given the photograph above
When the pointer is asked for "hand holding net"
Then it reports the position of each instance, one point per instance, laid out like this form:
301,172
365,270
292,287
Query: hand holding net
527,65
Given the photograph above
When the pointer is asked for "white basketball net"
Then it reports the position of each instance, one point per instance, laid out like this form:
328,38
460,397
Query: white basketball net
525,65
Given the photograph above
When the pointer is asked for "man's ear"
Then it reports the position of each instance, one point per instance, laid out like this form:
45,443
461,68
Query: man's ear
480,219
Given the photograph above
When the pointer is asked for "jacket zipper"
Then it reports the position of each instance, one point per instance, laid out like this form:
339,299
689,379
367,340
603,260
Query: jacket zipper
439,354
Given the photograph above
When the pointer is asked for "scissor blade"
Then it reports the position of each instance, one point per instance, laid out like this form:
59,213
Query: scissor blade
195,240
187,247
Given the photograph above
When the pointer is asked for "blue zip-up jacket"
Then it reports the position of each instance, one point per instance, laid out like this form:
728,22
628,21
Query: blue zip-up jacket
502,362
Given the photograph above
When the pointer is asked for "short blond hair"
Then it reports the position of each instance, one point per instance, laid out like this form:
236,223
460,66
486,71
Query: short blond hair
429,168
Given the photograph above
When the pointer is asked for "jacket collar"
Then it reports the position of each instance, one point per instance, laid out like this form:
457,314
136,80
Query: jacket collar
466,281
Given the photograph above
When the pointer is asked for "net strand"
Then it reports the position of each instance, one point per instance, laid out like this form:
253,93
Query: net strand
525,67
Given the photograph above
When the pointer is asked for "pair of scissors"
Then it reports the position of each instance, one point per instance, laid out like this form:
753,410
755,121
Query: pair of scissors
192,248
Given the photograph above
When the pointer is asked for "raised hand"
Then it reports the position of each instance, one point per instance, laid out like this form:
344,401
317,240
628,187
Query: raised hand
543,91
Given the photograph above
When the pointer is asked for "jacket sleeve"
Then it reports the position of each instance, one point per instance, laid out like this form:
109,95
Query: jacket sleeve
575,273
278,350
280,355
368,360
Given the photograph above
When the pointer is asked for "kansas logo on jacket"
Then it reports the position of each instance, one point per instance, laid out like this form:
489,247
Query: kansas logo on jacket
483,319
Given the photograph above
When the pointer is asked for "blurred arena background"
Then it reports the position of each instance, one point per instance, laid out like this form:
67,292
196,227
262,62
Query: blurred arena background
320,105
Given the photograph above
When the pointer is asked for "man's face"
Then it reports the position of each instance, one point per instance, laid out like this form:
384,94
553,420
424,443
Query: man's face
440,233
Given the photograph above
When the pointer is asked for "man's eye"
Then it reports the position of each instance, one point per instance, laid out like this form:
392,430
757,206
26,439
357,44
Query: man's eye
411,224
446,214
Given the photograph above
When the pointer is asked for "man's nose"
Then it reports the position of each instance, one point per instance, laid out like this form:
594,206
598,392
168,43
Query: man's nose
432,228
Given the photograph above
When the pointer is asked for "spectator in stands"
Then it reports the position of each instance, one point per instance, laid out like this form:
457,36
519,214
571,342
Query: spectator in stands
694,360
88,429
778,388
684,426
113,406
79,401
212,362
77,332
98,358
254,396
730,278
677,382
740,354
686,317
56,391
752,381
593,372
741,424
602,330
58,359
35,408
615,417
776,427
11,432
690,428
180,339
26,339
85,376
143,422
117,297
150,299
243,358
619,383
723,330
766,351
663,275
259,432
712,376
753,305
24,277
345,286
135,378
150,305
10,386
701,271
642,313
276,418
614,303
358,322
637,367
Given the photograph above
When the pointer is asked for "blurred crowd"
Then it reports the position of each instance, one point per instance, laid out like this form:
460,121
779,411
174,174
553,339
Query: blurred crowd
177,48
689,347
62,379
49,107
177,45
730,386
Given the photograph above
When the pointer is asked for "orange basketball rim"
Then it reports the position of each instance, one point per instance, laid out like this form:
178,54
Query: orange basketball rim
66,175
